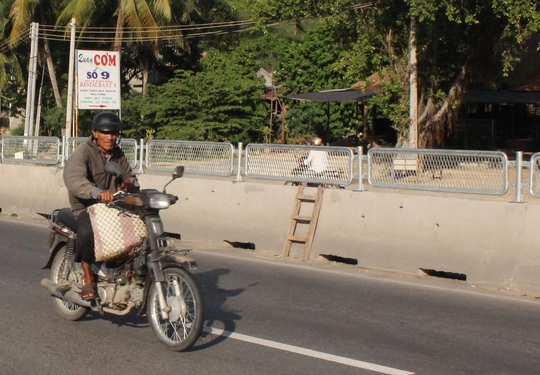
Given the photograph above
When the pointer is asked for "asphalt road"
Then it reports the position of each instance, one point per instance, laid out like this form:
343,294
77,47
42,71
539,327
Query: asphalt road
266,315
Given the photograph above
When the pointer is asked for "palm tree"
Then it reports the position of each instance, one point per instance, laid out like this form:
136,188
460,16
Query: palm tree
10,68
21,14
4,50
139,19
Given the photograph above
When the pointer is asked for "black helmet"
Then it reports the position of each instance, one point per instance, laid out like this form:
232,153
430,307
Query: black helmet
107,122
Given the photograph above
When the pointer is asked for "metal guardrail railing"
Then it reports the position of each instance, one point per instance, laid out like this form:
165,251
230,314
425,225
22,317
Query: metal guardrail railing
206,158
30,150
129,146
456,171
310,164
71,144
477,172
534,186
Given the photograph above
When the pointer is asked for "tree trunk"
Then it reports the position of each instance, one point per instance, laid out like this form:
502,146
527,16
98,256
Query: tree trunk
437,123
119,31
52,74
413,86
50,67
145,77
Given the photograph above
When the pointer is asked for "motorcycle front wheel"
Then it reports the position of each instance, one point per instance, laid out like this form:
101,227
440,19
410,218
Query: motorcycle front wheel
66,309
186,318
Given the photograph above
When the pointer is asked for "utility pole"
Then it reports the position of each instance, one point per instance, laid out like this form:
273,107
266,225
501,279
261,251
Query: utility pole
413,86
69,106
38,115
32,77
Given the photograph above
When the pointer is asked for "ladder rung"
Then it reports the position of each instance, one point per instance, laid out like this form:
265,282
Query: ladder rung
301,218
311,220
297,239
306,197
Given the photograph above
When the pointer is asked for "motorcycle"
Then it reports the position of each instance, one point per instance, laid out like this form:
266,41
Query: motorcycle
303,170
156,279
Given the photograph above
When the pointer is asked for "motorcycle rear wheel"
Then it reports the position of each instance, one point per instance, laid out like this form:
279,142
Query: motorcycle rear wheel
334,186
186,318
66,309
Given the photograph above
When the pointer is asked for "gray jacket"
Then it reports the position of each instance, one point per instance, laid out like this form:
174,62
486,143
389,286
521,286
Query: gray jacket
85,176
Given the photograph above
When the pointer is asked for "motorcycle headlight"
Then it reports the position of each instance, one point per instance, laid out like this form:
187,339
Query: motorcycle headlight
159,201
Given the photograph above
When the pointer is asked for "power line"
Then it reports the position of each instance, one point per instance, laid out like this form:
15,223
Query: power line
149,34
170,27
108,34
5,45
154,34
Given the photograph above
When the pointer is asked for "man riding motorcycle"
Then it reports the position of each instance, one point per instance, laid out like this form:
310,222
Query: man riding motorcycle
88,183
317,160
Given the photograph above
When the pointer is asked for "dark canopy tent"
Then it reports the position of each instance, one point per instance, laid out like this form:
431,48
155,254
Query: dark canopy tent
503,96
504,119
337,95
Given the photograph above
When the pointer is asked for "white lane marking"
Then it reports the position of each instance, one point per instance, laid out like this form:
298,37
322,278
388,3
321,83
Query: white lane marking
308,352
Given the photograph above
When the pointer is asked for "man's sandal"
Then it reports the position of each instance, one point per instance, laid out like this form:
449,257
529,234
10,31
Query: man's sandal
88,292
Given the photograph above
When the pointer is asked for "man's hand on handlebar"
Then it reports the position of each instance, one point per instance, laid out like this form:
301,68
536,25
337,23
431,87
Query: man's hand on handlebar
106,196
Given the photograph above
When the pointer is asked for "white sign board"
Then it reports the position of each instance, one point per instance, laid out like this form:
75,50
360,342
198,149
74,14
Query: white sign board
98,79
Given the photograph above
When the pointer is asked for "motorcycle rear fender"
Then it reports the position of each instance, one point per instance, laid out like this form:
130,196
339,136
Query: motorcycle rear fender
54,244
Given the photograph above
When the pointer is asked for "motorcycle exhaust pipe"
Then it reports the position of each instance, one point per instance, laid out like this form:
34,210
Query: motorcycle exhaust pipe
52,287
74,297
69,295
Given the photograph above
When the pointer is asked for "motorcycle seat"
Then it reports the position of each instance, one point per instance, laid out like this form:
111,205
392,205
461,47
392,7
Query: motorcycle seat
65,215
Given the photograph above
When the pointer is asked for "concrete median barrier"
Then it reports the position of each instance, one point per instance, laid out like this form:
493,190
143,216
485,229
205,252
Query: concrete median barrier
485,242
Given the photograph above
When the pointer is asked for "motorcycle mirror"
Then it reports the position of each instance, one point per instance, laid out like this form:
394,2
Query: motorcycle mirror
178,172
113,168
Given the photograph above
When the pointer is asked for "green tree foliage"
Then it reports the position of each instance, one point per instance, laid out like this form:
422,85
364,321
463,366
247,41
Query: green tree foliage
328,56
460,44
137,22
317,45
12,99
222,102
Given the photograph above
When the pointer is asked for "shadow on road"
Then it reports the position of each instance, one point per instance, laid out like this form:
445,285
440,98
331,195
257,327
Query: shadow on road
216,312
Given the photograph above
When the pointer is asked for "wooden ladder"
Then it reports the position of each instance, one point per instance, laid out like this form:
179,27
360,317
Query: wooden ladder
297,218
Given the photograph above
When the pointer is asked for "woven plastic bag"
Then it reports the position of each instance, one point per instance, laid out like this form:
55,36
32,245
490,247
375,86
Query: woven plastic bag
117,233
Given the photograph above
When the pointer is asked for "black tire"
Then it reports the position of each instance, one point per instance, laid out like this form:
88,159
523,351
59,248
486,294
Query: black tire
184,326
66,309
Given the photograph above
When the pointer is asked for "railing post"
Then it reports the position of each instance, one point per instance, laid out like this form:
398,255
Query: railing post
63,150
519,162
360,154
141,154
147,154
239,164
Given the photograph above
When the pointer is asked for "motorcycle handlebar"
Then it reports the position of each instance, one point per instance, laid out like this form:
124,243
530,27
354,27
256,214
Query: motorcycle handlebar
141,199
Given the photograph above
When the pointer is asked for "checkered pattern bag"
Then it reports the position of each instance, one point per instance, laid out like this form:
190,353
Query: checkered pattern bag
117,233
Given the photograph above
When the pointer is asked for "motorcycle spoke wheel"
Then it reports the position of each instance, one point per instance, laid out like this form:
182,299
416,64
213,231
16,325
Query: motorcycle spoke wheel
186,316
66,309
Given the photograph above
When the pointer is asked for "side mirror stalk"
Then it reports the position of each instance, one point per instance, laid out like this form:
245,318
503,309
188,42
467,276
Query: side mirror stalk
178,172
